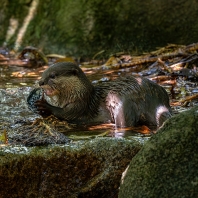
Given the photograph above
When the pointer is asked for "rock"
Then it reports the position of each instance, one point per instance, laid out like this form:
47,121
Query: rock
80,169
167,165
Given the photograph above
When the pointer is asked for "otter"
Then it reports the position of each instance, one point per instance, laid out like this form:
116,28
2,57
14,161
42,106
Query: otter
126,101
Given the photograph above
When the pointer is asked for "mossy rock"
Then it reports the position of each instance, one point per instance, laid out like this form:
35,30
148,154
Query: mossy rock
82,169
167,165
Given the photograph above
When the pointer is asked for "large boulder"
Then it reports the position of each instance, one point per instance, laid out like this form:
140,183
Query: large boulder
80,169
167,165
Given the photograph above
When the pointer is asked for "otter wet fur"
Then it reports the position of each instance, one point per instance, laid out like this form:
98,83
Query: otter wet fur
126,101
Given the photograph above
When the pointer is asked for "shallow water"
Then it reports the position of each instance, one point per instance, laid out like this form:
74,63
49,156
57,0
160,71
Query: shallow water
8,79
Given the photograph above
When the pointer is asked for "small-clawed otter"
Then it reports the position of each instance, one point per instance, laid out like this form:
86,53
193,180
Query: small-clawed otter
126,101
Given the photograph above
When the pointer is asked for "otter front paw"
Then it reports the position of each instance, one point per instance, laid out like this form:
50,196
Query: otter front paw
43,108
37,103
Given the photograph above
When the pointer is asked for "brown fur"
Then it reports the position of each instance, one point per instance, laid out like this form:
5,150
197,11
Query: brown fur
126,101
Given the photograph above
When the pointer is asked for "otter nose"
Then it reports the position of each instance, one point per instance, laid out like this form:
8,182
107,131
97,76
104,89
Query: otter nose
41,82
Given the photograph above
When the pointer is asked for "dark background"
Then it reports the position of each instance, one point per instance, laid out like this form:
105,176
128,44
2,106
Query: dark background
85,27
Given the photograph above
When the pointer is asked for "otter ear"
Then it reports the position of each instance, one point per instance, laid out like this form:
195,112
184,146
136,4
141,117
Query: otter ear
74,71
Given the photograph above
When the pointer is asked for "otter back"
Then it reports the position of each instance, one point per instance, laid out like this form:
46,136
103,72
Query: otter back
135,100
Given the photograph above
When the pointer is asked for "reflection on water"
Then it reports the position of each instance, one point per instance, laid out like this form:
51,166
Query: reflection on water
16,77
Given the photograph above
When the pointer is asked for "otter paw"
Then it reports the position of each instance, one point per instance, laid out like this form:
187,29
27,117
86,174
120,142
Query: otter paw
37,103
43,108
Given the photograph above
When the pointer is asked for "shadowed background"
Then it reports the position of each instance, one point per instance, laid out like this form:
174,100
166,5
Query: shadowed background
85,27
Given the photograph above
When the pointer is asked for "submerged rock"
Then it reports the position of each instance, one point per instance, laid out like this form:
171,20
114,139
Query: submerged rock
167,165
84,169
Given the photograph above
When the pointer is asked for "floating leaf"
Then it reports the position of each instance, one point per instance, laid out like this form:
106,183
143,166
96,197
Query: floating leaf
66,59
4,137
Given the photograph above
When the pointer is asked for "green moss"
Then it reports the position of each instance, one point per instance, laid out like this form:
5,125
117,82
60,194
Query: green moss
12,9
89,169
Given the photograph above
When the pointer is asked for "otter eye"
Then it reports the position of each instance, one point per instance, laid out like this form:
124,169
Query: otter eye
52,75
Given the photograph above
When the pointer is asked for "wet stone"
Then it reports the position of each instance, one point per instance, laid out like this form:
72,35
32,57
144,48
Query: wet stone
34,95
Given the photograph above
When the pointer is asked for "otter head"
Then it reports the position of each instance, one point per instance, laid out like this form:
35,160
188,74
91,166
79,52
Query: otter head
65,83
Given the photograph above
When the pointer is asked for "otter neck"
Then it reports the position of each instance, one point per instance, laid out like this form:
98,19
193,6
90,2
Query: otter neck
82,103
93,101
